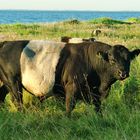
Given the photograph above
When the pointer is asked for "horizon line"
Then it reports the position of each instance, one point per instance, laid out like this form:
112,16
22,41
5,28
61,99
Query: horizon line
69,10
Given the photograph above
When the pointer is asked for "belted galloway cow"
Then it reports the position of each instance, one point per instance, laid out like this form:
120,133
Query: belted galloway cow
68,39
75,71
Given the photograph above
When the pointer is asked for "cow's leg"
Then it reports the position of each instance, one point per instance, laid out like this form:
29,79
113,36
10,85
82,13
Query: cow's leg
16,92
97,103
3,93
98,96
13,86
70,90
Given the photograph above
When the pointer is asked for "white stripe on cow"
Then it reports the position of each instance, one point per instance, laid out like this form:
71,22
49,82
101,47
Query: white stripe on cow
75,40
38,64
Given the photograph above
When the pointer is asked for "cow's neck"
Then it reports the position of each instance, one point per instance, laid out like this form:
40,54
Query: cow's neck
107,79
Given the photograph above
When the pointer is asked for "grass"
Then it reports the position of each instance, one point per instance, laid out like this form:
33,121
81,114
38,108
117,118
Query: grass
121,110
105,20
133,20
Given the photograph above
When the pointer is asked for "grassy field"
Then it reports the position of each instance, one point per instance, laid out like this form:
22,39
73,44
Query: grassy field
47,121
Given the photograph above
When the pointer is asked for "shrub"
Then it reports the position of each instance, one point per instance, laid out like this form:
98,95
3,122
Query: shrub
72,21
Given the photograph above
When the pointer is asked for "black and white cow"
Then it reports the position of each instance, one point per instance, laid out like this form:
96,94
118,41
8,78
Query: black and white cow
68,39
76,71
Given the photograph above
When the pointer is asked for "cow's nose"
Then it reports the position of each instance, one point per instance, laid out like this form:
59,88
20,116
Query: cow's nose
123,74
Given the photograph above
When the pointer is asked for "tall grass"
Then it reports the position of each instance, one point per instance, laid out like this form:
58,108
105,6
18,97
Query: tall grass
47,120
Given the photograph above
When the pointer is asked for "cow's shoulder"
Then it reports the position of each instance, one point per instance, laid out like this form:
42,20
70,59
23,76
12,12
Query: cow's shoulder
99,46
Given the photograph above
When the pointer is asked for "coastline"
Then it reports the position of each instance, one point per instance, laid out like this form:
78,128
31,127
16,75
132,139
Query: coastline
39,16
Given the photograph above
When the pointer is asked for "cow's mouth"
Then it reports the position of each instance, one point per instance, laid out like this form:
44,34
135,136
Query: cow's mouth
123,78
123,75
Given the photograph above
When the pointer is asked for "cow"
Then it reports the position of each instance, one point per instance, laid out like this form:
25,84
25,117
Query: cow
74,71
67,39
87,71
23,64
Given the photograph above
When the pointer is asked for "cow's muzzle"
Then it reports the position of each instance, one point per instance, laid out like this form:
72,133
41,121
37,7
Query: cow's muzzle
123,74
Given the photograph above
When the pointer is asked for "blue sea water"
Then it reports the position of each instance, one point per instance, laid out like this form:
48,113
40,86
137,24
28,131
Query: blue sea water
27,16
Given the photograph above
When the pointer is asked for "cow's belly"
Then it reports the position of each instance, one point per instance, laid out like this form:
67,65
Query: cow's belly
38,68
37,82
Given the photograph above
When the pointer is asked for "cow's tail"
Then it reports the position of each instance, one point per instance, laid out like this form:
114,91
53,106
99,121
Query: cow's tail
2,44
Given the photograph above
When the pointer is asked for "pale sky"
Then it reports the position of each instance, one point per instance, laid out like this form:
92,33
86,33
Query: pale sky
99,5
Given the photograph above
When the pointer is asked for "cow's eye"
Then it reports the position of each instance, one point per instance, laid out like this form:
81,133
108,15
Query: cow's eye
112,62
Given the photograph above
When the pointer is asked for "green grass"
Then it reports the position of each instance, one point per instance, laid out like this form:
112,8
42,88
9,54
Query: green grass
105,20
121,110
133,20
119,122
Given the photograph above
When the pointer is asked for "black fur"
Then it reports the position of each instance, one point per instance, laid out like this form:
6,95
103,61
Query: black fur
87,71
10,74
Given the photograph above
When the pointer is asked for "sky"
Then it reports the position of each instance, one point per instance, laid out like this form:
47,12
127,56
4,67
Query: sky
94,5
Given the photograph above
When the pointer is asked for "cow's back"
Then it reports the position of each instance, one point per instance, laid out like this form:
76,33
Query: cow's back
38,65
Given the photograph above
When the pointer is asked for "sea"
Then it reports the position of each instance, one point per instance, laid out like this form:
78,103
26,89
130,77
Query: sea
32,16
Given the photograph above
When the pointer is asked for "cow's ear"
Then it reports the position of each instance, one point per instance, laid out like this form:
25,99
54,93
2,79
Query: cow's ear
134,53
103,55
65,39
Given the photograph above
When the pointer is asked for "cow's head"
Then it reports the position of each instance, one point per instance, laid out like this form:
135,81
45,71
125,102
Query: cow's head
65,39
119,58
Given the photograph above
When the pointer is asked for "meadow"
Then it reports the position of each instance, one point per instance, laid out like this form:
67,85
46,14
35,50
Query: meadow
47,120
